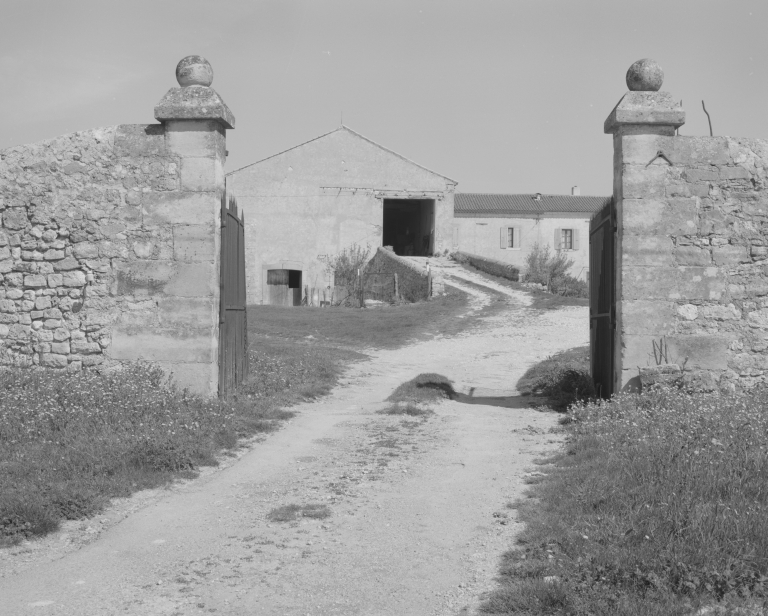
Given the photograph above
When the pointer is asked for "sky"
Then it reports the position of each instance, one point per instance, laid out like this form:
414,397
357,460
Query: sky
499,95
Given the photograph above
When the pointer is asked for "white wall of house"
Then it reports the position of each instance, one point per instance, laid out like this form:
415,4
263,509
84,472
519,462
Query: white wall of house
484,236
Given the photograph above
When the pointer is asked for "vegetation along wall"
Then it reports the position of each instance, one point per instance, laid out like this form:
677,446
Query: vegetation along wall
109,243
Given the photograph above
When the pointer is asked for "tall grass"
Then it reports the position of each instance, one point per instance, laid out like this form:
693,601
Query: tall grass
659,504
71,441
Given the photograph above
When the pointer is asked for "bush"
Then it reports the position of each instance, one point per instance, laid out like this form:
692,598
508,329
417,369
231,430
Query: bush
489,266
345,266
552,272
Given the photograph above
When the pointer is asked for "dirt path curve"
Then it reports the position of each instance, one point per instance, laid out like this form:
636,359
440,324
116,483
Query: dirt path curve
418,516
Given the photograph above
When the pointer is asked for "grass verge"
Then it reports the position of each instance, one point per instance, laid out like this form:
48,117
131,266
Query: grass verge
657,507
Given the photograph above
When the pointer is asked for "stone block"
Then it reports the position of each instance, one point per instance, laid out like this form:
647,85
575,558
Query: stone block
699,283
758,319
132,140
162,345
638,182
14,279
649,282
5,253
81,347
709,174
7,305
55,280
27,305
25,319
690,151
734,173
73,279
18,331
53,360
641,149
60,334
195,138
53,255
647,250
35,282
3,330
67,264
86,250
730,254
719,312
8,317
6,266
692,255
194,243
16,219
181,208
647,317
187,312
199,175
61,348
658,216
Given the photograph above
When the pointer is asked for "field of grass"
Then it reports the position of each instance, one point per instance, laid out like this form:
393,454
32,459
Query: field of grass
659,506
69,442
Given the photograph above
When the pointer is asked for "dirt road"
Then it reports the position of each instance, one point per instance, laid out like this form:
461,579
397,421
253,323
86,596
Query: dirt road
418,506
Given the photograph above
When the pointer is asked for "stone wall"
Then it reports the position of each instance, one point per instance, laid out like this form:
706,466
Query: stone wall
109,247
413,280
692,249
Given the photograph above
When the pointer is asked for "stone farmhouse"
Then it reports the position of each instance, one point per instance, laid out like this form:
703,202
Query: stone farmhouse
314,200
506,227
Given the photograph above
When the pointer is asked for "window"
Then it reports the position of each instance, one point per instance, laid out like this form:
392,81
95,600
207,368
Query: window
566,239
510,238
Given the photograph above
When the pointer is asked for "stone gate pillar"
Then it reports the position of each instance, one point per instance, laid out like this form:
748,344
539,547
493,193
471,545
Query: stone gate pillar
643,126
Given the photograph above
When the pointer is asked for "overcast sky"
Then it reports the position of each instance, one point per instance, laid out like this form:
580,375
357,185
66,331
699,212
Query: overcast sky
500,95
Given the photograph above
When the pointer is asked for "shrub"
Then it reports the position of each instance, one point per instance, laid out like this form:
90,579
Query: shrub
552,272
345,266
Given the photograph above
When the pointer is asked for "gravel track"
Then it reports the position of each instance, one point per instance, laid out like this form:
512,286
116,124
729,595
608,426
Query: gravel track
418,506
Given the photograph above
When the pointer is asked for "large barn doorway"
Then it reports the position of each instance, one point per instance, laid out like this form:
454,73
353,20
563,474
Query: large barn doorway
409,226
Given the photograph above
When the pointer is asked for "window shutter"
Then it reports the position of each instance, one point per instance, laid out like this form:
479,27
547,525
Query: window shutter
558,238
517,237
503,240
575,239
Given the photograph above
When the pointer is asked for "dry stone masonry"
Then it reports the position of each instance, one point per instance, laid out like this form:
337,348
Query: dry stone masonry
109,241
692,246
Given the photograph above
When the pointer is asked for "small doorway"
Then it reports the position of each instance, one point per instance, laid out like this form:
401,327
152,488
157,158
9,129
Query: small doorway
409,226
284,287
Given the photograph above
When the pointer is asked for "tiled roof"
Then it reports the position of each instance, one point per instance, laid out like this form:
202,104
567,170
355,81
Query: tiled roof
468,204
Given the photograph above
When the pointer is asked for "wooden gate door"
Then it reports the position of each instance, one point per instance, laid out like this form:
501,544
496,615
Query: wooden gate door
602,300
233,322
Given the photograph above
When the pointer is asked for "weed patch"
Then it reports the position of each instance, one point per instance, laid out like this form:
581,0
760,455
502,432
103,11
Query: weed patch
426,387
563,378
406,408
291,513
657,506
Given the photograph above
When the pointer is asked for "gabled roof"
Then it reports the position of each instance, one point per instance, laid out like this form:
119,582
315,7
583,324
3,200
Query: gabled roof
469,204
356,134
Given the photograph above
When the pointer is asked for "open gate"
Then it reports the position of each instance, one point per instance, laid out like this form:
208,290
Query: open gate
602,300
233,321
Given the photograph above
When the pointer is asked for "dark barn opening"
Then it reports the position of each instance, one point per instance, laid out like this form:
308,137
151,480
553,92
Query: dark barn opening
284,287
409,226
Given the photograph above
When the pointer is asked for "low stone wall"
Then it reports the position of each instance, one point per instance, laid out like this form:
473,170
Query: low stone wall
413,281
490,266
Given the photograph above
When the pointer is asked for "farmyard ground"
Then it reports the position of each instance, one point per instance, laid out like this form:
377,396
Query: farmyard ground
418,507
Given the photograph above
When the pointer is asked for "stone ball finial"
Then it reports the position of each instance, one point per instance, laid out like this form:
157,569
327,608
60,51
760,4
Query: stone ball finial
194,71
645,76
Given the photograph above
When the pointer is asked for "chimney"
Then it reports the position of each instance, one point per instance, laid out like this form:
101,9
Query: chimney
575,191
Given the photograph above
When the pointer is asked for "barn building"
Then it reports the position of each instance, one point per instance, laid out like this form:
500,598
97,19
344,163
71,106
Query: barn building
310,202
314,200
